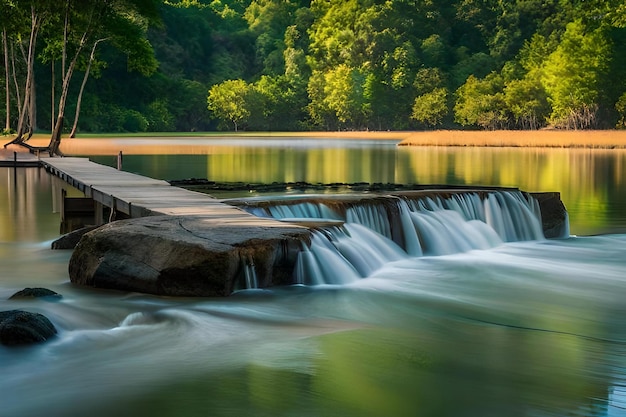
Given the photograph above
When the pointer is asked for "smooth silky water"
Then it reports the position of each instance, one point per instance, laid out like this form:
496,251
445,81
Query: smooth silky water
502,328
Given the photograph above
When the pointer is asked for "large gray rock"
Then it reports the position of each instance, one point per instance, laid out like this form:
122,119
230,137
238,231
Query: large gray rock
187,255
70,240
19,327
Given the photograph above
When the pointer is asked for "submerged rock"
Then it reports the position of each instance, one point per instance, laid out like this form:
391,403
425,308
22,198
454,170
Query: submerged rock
187,255
19,327
35,293
70,240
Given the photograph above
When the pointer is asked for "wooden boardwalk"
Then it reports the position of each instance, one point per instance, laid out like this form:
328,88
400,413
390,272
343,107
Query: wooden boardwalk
136,195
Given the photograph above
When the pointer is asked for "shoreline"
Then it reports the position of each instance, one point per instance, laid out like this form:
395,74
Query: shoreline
589,139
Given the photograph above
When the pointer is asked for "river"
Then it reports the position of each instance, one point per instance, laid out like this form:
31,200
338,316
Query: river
530,328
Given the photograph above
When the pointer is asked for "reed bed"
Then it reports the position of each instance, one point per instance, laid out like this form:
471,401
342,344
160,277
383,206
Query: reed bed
595,139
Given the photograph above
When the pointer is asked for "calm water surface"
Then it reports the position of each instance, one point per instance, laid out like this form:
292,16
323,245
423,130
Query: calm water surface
524,329
592,182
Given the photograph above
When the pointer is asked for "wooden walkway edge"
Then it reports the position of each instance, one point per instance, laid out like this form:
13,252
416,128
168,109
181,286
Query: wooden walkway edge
136,195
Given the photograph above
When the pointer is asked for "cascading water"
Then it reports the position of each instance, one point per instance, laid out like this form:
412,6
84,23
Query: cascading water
377,231
250,276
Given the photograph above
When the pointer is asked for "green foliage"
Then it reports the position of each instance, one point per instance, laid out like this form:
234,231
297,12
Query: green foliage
431,108
337,97
234,101
159,117
620,106
572,75
322,64
133,121
481,103
187,103
527,101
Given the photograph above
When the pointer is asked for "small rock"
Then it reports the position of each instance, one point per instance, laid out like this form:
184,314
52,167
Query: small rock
19,327
35,293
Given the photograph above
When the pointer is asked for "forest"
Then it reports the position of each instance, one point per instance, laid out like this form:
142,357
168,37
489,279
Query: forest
75,66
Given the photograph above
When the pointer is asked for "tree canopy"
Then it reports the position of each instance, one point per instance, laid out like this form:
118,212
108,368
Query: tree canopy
186,65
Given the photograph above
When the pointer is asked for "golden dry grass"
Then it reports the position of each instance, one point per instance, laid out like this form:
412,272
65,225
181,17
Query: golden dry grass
604,139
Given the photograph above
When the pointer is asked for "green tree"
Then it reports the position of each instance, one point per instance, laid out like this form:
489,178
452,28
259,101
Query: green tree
187,105
527,101
30,17
434,51
430,109
349,64
344,94
481,103
337,35
572,76
337,96
620,106
478,65
317,108
282,104
268,20
159,117
90,22
234,101
9,23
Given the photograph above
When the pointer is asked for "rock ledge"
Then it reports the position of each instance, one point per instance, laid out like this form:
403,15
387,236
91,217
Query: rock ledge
187,255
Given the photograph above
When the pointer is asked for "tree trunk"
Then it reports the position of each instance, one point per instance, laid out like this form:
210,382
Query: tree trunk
52,97
5,46
18,97
32,107
30,65
55,140
82,87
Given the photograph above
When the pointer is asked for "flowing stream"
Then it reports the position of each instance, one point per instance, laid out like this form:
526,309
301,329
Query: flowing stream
367,236
470,313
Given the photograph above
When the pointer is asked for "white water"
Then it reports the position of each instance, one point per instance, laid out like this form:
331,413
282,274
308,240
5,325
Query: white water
364,243
536,324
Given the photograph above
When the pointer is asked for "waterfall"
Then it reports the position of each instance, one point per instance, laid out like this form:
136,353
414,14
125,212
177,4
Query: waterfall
250,276
321,263
340,255
378,230
248,279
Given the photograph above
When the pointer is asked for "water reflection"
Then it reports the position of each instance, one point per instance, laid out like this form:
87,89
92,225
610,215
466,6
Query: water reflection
26,205
592,182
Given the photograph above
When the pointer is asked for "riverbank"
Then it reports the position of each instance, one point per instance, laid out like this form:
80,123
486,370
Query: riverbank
193,143
594,139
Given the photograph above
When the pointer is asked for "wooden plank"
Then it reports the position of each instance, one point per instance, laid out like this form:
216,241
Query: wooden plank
136,195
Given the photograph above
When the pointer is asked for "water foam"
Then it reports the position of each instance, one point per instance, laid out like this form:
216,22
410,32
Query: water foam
376,232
